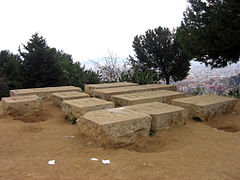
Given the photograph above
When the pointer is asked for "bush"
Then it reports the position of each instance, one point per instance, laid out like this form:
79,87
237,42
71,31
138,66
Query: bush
234,93
198,91
145,77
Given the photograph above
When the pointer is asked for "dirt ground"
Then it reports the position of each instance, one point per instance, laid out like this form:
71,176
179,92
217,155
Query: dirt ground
196,150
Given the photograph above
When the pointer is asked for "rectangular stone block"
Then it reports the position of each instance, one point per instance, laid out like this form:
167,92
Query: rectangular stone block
45,93
91,87
114,127
108,93
206,107
78,107
58,98
164,116
163,96
22,105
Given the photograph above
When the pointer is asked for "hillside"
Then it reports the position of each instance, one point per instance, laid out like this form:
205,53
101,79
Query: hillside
196,150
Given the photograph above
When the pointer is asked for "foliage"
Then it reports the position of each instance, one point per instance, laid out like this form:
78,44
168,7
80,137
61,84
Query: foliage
234,81
210,31
66,117
74,120
198,91
39,63
160,51
4,90
110,71
10,69
140,77
73,73
10,72
198,119
234,93
151,133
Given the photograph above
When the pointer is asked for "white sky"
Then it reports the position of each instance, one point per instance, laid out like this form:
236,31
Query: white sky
85,29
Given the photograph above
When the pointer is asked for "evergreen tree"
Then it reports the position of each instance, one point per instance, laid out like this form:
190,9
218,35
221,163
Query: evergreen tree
72,73
159,50
10,68
10,72
210,31
40,65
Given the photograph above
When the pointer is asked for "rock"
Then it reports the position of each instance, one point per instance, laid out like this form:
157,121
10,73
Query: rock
114,127
206,107
22,105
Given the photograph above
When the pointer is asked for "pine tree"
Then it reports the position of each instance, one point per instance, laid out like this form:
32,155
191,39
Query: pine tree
39,62
210,31
159,50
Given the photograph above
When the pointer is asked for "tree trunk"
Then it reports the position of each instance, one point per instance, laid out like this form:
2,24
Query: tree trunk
167,80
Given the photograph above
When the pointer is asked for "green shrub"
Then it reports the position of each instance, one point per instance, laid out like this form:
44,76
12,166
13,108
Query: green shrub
198,91
234,93
140,77
66,117
74,120
151,133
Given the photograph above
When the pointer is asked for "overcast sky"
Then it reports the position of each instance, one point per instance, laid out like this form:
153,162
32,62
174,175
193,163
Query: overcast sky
86,29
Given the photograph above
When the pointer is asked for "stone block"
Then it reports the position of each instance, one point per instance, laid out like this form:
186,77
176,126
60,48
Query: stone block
78,107
58,98
109,92
91,87
114,127
45,93
22,105
164,116
163,96
206,107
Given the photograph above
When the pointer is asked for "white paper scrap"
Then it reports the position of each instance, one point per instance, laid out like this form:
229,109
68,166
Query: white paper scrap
51,162
70,136
106,161
94,159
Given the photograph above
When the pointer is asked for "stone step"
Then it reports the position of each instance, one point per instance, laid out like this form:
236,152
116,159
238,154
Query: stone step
206,107
114,127
58,98
91,87
163,96
22,105
45,93
109,92
78,107
164,116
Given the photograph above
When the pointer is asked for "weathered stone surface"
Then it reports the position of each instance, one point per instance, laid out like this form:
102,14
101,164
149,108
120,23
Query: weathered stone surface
163,96
164,116
114,127
78,107
58,98
206,107
91,87
45,93
22,105
108,93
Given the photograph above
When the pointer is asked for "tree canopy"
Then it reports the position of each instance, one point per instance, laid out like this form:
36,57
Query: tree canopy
160,51
38,65
210,31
